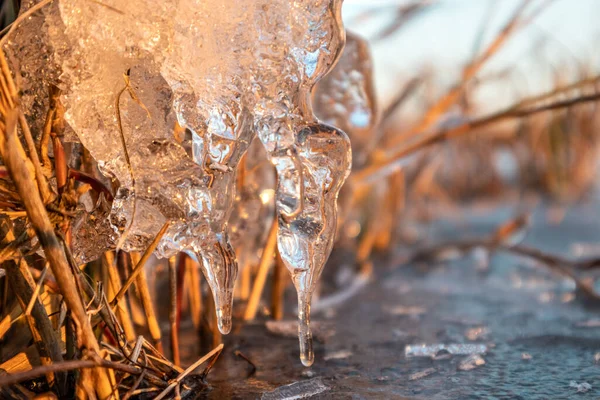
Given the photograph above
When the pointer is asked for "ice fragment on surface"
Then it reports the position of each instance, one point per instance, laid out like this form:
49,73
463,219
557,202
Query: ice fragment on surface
430,350
582,387
526,356
297,390
590,323
471,362
411,311
337,355
421,374
477,333
206,77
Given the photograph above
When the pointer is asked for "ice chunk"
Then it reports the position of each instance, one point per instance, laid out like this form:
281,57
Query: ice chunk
337,355
430,350
297,390
168,96
421,374
477,333
471,362
411,311
582,387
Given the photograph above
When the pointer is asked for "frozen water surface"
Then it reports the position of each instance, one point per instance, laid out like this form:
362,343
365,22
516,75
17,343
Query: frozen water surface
458,297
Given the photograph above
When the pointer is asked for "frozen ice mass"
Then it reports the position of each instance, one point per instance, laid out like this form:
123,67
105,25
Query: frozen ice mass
168,97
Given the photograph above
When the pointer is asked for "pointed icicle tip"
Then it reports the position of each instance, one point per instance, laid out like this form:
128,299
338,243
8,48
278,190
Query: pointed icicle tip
307,355
224,319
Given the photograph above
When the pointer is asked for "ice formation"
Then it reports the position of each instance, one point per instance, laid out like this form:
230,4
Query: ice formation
345,98
187,85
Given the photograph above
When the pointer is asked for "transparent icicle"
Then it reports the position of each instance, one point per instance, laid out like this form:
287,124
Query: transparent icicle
312,161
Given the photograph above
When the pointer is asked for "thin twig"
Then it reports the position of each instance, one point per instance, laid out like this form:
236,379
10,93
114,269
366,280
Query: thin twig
368,174
37,290
187,371
96,361
249,361
556,263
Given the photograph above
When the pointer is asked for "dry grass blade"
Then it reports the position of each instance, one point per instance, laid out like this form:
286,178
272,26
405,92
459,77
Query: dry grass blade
506,238
140,265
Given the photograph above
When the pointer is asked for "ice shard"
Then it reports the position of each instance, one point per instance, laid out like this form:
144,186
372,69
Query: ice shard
168,96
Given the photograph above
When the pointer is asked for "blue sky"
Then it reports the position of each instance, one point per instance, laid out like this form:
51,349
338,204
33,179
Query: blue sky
444,38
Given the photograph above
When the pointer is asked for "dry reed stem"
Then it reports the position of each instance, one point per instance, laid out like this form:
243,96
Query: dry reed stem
266,260
10,97
122,310
173,310
182,299
194,291
22,18
278,289
141,284
404,14
245,282
127,87
111,376
20,170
